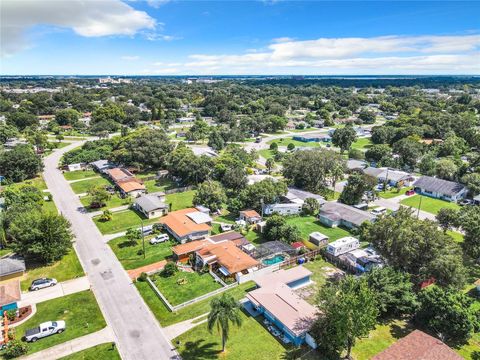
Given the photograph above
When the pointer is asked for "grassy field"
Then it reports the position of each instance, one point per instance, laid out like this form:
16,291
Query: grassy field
99,352
249,341
393,192
158,185
181,200
79,311
362,144
456,236
79,174
428,204
130,256
67,268
83,186
286,141
49,206
113,202
121,221
167,318
266,153
309,224
196,285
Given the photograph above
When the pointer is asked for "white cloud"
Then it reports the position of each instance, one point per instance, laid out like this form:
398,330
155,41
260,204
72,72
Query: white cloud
130,57
157,3
86,18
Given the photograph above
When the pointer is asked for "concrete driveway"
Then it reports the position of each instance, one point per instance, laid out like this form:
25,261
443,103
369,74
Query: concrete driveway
137,332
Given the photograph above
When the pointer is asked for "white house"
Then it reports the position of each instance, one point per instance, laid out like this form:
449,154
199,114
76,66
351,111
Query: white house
343,245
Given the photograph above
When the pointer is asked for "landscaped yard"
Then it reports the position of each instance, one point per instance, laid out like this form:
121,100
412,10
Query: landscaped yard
79,174
131,256
113,202
309,224
180,200
167,318
67,268
393,192
158,185
100,352
83,186
80,312
121,221
49,206
286,141
266,153
428,204
362,144
196,284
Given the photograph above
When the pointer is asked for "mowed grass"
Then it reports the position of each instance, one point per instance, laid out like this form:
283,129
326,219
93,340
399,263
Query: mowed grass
286,141
362,144
83,186
100,352
79,174
121,221
196,284
181,200
113,202
428,204
49,206
249,341
309,224
130,254
80,312
393,192
67,268
158,185
167,318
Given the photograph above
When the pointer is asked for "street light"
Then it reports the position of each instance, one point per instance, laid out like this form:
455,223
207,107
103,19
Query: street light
143,239
419,206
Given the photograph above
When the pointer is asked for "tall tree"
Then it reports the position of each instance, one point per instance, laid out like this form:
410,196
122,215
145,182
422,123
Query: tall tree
20,163
344,137
210,194
356,186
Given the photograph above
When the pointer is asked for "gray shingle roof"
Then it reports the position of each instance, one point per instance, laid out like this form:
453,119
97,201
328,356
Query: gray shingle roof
336,211
11,265
440,186
150,203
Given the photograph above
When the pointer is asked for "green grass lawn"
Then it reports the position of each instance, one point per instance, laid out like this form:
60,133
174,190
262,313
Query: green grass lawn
286,141
471,349
99,352
456,236
393,192
159,185
362,144
429,204
83,186
121,221
79,311
49,206
309,224
318,276
197,284
130,254
67,268
181,200
113,202
251,340
79,174
266,153
167,318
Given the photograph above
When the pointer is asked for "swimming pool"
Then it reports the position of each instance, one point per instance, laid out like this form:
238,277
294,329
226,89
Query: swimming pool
274,260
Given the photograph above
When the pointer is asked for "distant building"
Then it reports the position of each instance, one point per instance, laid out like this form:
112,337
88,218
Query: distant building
102,166
440,189
250,216
319,137
390,176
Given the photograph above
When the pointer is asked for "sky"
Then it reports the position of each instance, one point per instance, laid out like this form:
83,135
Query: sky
173,37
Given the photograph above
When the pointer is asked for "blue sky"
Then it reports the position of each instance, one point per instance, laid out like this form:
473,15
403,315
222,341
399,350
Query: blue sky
160,37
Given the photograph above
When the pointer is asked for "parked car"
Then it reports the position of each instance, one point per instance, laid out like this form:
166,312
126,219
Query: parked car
147,230
379,211
42,283
466,202
258,139
45,329
159,239
410,192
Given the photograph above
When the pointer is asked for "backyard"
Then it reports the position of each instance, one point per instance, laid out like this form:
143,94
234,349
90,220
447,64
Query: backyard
130,253
103,352
80,312
428,204
180,200
309,224
121,221
81,187
184,286
362,144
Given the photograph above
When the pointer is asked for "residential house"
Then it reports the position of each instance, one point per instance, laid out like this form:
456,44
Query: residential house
333,214
353,164
102,166
151,205
390,176
10,295
119,174
250,216
275,299
343,245
187,224
315,137
291,203
127,184
440,189
418,345
11,267
43,120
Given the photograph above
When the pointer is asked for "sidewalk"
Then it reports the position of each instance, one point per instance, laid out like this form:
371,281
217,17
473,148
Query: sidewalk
67,348
178,329
59,290
108,237
100,212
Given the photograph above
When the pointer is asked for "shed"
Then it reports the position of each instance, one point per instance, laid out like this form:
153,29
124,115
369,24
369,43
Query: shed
318,239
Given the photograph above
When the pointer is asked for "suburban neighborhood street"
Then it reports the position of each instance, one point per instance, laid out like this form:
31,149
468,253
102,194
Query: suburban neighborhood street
137,332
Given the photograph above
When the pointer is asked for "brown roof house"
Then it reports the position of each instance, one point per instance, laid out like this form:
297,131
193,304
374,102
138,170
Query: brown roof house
250,216
187,224
418,346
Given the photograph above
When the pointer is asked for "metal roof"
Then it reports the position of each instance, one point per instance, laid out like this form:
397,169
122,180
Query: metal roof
440,186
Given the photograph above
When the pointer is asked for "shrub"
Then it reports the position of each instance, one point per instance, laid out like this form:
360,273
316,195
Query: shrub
291,146
11,314
274,146
143,277
170,269
15,349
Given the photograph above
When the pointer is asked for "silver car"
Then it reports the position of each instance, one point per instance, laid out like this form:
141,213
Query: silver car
42,283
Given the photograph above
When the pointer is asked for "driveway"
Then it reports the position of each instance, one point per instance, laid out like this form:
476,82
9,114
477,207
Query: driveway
138,334
394,204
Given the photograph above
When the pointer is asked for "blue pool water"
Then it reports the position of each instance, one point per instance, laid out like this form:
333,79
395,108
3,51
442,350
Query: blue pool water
273,260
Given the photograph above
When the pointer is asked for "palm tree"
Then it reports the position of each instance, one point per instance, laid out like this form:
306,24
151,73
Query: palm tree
224,310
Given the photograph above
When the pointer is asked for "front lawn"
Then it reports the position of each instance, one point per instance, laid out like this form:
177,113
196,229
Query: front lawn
130,254
196,284
309,224
80,312
167,318
49,206
362,144
121,221
251,340
286,141
428,204
266,153
114,202
393,192
83,186
79,174
67,268
181,200
104,352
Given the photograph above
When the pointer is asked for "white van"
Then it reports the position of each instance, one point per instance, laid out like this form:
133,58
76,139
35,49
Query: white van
379,211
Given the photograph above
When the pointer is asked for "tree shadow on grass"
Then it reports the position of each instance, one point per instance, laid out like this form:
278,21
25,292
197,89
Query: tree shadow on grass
197,350
127,243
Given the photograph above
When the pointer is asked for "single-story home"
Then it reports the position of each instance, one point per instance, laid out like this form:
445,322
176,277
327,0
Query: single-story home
418,345
343,245
353,164
187,224
316,137
390,176
440,189
10,295
119,174
292,202
102,166
151,205
76,167
11,267
250,216
283,208
333,214
275,299
131,187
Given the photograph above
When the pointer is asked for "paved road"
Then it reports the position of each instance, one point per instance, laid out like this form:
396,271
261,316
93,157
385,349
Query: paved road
394,204
138,334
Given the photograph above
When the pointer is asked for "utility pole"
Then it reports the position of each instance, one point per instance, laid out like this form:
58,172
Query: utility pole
419,206
261,205
143,239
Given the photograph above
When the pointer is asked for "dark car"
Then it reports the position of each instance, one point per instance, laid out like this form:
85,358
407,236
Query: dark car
410,192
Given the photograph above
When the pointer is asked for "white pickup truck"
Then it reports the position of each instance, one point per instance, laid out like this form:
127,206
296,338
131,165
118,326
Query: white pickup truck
45,329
